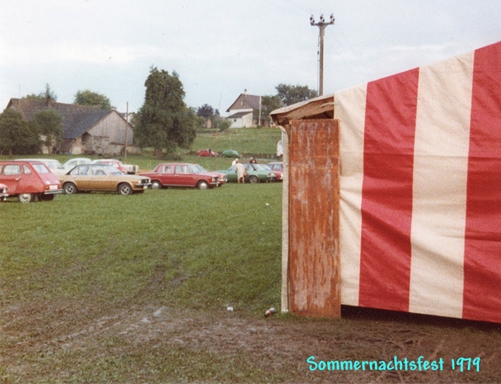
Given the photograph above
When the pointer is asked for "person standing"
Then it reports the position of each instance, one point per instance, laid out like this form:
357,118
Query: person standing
240,169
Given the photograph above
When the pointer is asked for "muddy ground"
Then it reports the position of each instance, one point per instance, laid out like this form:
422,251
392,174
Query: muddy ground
141,343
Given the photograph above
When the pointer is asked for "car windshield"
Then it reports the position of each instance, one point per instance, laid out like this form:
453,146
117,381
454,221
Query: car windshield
54,165
107,170
200,168
259,167
196,168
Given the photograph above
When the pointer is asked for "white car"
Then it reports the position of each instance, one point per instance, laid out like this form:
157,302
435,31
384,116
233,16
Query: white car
68,166
54,165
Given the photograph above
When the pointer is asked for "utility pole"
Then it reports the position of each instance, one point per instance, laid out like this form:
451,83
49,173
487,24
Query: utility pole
321,26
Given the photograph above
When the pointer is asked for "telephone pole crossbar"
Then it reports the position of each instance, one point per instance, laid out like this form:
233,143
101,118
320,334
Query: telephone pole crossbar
322,24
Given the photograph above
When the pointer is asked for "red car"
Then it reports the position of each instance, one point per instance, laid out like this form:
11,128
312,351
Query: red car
29,180
3,192
207,153
180,175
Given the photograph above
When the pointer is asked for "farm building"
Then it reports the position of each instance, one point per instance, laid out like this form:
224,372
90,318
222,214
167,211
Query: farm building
244,112
399,204
87,129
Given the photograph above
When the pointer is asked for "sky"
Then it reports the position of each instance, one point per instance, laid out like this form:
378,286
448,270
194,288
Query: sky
220,48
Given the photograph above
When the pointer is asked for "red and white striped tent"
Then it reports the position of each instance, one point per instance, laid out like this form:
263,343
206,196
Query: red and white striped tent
420,189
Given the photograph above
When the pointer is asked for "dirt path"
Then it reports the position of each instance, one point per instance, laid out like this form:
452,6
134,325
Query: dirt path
87,342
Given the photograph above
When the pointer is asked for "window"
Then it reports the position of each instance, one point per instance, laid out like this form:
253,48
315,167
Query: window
12,169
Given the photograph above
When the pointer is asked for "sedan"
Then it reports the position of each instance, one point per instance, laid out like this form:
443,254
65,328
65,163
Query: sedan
278,174
76,161
253,174
181,175
207,153
102,177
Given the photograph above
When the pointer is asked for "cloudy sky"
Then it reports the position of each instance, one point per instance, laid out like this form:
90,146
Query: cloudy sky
219,48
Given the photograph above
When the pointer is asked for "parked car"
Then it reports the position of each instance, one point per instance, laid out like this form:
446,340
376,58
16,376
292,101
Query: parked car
207,153
54,165
277,165
3,192
74,162
124,168
102,177
230,153
29,180
222,177
252,175
181,175
279,176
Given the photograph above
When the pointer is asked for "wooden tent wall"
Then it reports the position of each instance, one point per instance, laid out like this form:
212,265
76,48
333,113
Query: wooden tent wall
313,252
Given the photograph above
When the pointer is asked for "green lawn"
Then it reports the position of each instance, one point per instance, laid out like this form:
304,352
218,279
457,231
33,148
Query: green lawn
216,246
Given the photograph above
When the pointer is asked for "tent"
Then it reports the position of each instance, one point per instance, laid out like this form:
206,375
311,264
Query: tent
419,181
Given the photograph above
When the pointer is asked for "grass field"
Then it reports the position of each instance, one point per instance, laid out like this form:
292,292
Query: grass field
103,288
216,247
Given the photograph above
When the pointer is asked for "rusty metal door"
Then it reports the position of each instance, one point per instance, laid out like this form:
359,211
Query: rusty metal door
313,267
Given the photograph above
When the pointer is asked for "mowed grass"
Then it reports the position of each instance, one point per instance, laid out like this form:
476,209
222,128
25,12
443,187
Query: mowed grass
207,248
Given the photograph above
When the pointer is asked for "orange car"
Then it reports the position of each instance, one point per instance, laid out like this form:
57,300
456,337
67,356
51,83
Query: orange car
102,177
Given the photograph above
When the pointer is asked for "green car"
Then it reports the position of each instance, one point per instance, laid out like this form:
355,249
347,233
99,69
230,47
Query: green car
253,175
230,153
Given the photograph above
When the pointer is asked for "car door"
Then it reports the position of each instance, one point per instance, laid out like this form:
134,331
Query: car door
183,176
167,175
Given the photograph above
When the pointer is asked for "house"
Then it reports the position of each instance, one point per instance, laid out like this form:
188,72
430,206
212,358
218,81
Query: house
87,129
398,207
245,111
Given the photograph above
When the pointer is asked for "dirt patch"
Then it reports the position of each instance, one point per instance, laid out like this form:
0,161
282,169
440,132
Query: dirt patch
92,342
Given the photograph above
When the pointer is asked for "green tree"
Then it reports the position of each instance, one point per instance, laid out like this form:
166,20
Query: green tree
164,120
16,135
292,94
49,124
44,95
93,99
269,104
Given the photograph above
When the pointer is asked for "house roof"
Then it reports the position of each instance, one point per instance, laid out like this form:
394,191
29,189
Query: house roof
245,101
239,114
77,119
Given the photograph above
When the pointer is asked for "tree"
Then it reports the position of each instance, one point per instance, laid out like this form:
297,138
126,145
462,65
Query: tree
44,95
49,124
269,104
205,111
164,120
16,135
292,94
92,98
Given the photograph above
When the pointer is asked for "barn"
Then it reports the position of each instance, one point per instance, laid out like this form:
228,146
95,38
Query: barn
399,201
87,129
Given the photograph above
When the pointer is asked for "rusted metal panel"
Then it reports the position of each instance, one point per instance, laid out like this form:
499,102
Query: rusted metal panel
313,267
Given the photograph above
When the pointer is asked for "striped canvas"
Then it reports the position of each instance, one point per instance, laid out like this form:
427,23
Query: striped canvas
420,224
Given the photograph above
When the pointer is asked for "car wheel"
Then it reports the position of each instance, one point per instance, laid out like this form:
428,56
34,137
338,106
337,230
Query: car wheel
253,179
156,185
26,197
124,189
202,185
70,188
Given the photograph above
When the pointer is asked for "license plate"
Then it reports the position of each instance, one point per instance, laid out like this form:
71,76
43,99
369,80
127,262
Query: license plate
52,187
